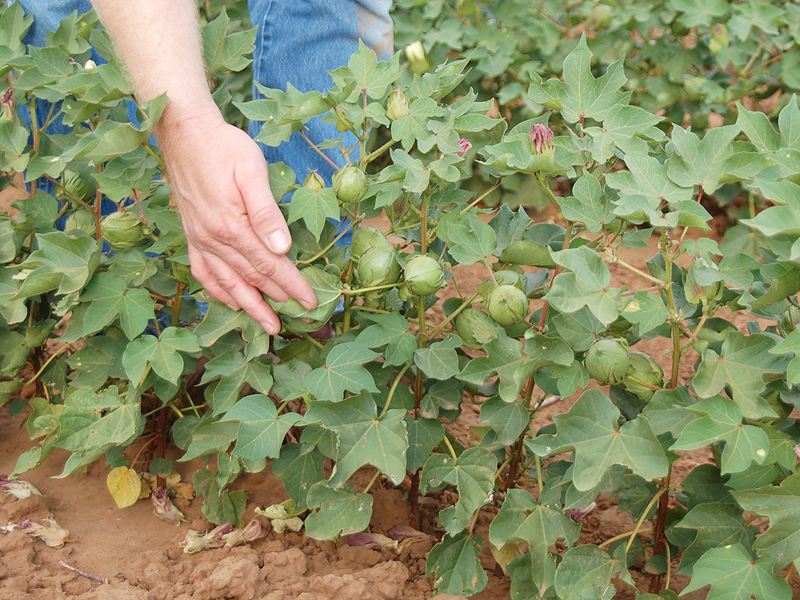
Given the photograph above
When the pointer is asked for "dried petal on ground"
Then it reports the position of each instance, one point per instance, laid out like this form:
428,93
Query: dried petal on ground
50,532
196,541
164,509
244,535
18,488
373,541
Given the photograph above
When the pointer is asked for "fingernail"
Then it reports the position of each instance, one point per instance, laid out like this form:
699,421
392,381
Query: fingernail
307,304
269,328
279,241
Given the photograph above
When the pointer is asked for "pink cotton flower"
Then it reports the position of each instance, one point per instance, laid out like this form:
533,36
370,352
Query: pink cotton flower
541,136
465,146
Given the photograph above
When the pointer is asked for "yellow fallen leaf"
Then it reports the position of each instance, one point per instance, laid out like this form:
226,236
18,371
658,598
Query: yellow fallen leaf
124,485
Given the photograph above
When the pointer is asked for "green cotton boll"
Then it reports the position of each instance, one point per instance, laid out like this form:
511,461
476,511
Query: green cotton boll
502,277
645,369
81,220
424,275
475,328
378,266
508,305
349,184
123,230
365,238
608,360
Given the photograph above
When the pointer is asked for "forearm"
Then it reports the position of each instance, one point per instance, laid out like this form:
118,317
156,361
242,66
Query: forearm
159,41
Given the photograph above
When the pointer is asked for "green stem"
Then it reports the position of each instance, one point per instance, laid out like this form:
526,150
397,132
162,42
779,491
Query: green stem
313,341
176,304
376,153
452,316
395,383
616,260
426,199
53,356
636,529
450,447
482,196
540,178
371,481
538,472
374,288
153,153
329,246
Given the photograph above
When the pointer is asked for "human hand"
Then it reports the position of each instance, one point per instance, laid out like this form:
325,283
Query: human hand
236,233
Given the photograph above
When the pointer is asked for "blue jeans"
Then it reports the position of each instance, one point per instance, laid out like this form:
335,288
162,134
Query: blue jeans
298,42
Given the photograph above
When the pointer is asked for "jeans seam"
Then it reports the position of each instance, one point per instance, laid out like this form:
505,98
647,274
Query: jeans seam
264,35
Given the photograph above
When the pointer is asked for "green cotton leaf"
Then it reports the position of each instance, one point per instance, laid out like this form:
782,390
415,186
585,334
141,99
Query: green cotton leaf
716,525
586,572
299,466
218,321
580,94
390,330
327,288
471,244
789,124
776,220
700,162
667,411
722,420
589,429
734,575
282,180
781,543
108,296
233,372
261,430
472,473
411,171
336,512
364,437
507,419
367,73
162,353
646,178
343,371
504,358
702,13
646,310
225,50
423,436
779,503
784,281
100,359
455,564
439,360
444,138
414,126
210,436
314,207
587,285
13,142
91,420
14,23
588,205
740,366
789,345
522,519
621,125
509,226
70,261
515,154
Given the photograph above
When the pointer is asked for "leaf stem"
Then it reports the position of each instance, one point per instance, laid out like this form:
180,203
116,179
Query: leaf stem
482,196
453,315
616,260
641,520
320,152
538,472
450,447
147,443
53,356
621,536
374,288
371,481
395,383
329,246
376,153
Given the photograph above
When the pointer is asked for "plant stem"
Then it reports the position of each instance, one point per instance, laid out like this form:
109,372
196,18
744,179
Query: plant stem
620,537
176,304
320,152
374,288
538,472
482,196
643,384
147,443
540,178
450,447
661,519
616,260
546,305
376,153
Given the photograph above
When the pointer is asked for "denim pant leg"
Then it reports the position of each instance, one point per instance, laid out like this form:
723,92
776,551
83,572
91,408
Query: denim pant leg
298,42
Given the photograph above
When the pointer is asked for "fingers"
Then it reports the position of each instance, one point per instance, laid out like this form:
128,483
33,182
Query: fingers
241,293
265,216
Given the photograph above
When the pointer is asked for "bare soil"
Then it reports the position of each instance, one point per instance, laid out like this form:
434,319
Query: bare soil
138,554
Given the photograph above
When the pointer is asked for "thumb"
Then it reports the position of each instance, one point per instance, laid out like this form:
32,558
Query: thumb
265,216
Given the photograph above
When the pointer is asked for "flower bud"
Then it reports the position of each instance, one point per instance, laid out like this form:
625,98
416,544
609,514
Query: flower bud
424,275
475,328
719,39
314,181
349,185
81,220
342,124
89,64
465,147
541,136
365,238
75,185
789,320
123,230
508,305
418,59
607,360
396,105
696,292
